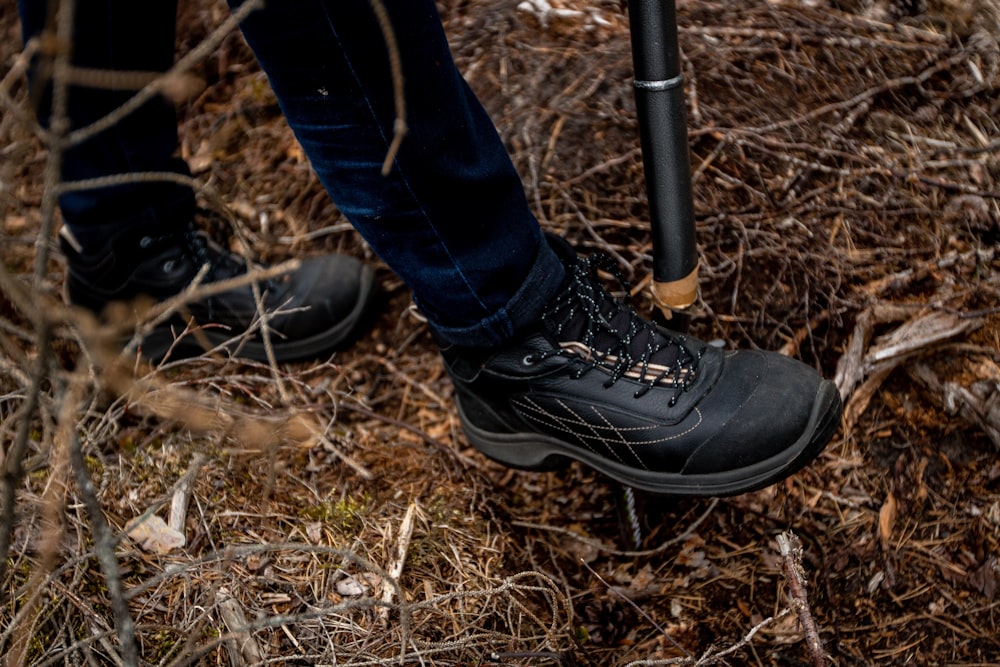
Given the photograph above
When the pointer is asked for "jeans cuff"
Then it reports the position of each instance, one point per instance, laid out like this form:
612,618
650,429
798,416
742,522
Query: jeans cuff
524,308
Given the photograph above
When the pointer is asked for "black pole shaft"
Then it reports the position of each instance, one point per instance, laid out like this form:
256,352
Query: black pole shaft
660,108
660,111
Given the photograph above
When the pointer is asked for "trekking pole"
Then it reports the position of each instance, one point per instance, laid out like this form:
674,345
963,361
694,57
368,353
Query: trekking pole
660,110
661,114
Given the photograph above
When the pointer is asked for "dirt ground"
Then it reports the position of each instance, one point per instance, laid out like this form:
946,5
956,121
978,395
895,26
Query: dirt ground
846,168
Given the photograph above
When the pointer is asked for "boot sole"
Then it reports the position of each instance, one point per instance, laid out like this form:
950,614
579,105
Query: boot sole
536,451
162,340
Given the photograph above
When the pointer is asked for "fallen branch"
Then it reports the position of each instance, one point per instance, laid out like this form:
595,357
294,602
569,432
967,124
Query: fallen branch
244,644
863,367
978,402
398,558
791,560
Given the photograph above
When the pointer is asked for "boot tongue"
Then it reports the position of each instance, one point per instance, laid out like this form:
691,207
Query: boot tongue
586,320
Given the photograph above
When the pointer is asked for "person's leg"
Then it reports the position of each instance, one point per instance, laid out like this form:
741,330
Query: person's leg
451,217
138,239
112,35
547,366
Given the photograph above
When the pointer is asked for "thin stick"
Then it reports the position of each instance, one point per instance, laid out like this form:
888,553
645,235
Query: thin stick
791,560
60,126
104,547
204,49
398,558
53,527
182,493
234,618
399,128
13,463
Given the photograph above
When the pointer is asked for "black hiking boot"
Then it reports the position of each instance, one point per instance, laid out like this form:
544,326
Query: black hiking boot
319,307
654,410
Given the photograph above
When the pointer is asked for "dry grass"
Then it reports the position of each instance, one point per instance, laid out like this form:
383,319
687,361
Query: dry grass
846,175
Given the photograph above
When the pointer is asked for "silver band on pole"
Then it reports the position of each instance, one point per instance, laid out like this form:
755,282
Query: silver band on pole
665,84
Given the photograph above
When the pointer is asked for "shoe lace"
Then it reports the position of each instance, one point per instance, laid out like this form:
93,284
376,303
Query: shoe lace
607,332
221,265
200,251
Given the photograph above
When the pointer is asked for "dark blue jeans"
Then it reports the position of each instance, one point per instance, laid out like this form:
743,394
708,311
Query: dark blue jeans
450,219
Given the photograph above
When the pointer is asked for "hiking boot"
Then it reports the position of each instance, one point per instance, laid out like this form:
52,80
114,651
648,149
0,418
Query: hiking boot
596,383
313,310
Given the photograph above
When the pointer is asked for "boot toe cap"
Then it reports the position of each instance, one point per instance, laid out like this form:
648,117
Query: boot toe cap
764,408
325,292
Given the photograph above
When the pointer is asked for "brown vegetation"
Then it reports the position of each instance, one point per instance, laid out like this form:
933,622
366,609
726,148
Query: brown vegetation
847,172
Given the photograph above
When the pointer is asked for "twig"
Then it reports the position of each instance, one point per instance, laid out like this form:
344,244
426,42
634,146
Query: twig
11,109
182,493
203,50
791,560
874,91
791,348
742,642
399,128
234,618
604,166
104,547
710,656
122,179
22,626
13,463
60,126
398,558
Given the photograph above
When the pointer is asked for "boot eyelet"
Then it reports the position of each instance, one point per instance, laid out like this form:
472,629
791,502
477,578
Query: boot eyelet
169,266
529,360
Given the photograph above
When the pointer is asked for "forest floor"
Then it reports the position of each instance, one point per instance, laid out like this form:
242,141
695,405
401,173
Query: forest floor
846,171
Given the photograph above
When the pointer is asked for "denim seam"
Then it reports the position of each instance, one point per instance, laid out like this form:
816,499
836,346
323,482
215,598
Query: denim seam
402,172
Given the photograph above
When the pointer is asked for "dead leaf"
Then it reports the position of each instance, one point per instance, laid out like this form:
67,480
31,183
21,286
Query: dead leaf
154,535
350,587
353,586
15,224
887,519
314,531
295,153
986,579
181,86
